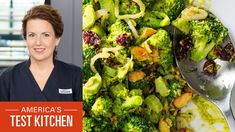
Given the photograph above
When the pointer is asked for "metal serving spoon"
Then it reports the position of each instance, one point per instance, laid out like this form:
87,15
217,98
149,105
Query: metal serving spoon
216,89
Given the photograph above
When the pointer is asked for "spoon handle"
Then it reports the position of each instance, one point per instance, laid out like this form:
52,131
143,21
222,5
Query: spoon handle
230,119
225,107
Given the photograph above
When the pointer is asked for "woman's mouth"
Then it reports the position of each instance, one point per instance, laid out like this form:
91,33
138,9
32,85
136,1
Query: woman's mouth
39,50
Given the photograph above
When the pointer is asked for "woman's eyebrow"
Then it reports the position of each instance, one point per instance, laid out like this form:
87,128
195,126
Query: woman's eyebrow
45,32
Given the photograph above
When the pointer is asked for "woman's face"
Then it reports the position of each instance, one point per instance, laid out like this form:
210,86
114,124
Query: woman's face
40,39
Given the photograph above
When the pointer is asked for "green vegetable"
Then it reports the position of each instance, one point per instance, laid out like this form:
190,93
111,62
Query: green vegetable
122,71
98,30
89,17
119,91
108,5
88,53
153,109
84,2
132,102
129,78
134,92
116,29
154,19
162,42
161,87
140,84
134,123
205,35
102,107
87,124
128,7
176,84
182,24
103,125
205,30
92,86
172,8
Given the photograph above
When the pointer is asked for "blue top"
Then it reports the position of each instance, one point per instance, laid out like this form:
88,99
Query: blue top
64,84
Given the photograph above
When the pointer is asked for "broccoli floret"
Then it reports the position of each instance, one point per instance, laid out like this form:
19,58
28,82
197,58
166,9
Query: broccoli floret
120,33
102,107
88,101
153,108
88,53
149,3
205,30
128,7
134,123
187,15
166,62
103,125
87,124
84,2
134,92
159,40
132,102
117,109
162,43
172,8
109,76
140,84
176,84
119,91
121,107
205,35
153,19
131,7
173,122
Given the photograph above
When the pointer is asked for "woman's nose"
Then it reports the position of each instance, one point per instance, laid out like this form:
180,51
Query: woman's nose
38,40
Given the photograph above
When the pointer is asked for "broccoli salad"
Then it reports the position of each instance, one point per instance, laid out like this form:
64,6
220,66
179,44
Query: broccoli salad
203,38
130,80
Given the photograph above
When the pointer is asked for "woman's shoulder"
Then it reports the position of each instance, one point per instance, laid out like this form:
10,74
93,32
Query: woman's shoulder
67,66
16,68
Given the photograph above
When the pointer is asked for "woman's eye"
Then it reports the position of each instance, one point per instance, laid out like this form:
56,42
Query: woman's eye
46,35
31,35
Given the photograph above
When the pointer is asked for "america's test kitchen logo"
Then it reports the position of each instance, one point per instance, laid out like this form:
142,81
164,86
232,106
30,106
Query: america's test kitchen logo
41,117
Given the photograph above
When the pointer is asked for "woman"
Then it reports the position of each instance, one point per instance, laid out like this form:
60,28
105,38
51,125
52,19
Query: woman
42,77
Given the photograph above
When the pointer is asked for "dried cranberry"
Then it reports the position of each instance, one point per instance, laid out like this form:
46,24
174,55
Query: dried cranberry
182,130
225,56
123,39
186,43
90,38
210,68
230,49
183,47
227,53
217,50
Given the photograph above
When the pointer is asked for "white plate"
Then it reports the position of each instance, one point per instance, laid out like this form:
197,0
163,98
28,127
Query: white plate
202,116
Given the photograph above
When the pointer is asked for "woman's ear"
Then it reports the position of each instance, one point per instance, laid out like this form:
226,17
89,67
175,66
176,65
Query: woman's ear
57,42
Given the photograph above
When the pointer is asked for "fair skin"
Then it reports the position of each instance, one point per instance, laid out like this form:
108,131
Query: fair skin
41,42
